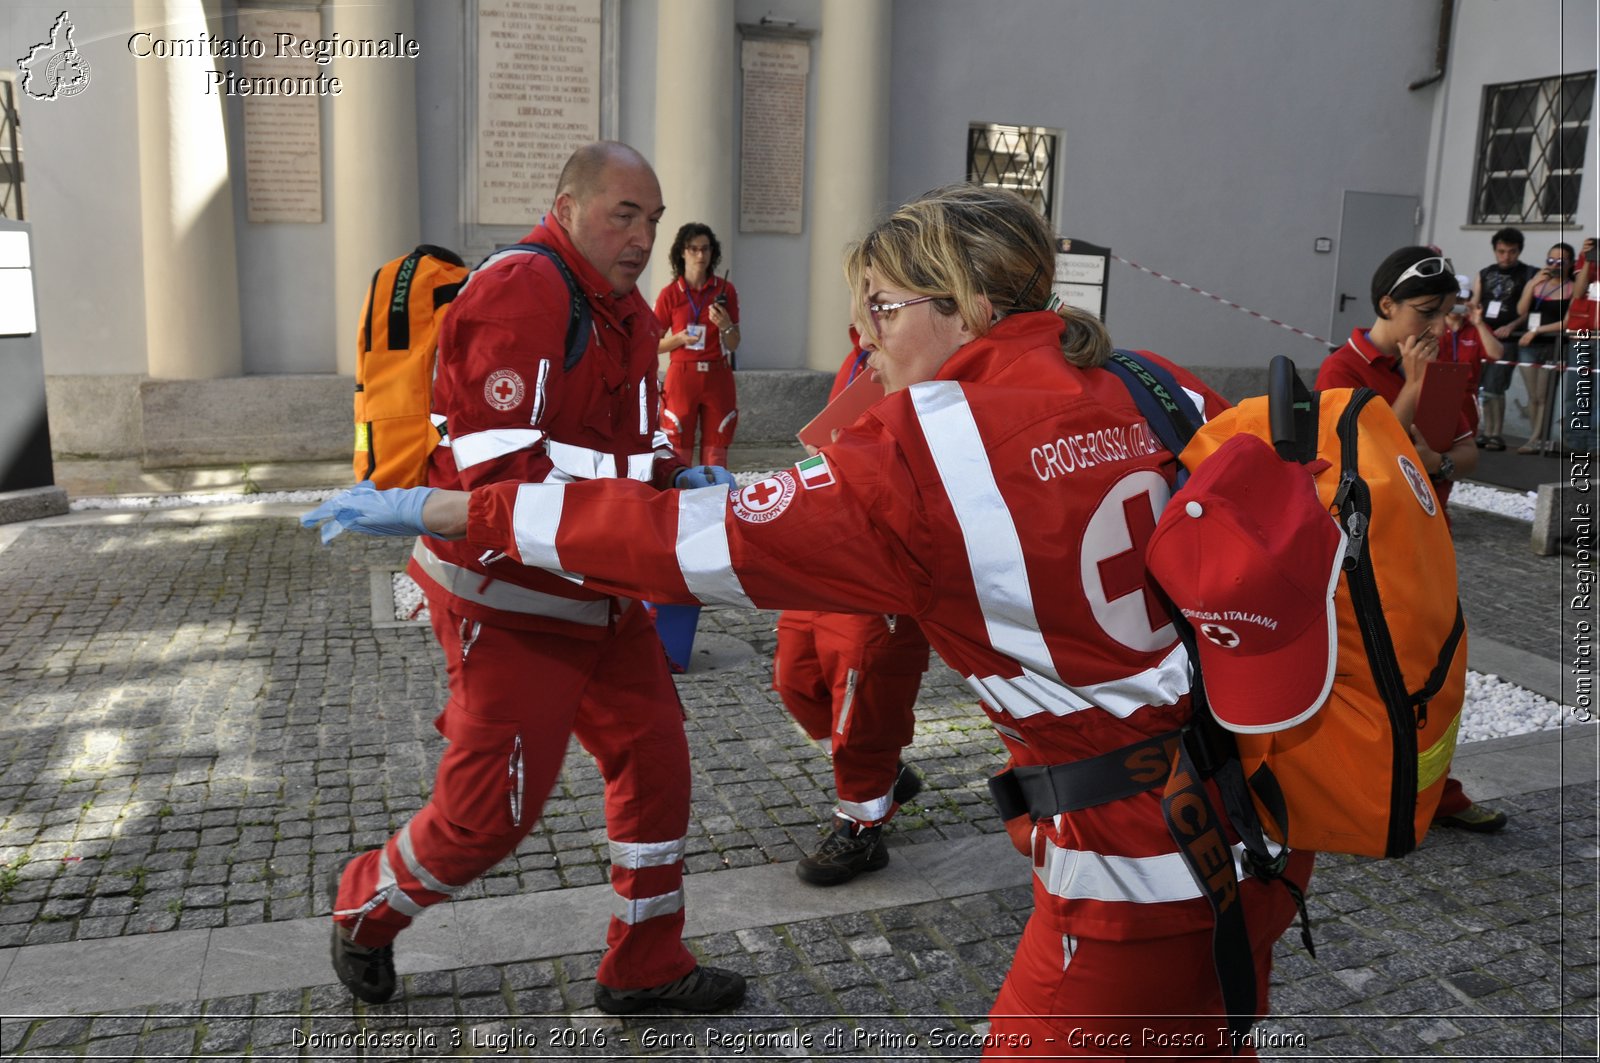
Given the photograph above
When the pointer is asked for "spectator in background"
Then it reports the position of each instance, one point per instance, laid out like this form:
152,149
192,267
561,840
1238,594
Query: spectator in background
1468,340
1544,306
699,316
1412,292
851,681
1498,290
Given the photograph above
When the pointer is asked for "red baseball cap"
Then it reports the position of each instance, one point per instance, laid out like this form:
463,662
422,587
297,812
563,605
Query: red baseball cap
1252,558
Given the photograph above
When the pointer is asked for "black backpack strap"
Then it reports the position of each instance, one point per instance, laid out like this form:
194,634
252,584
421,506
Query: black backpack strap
1166,406
1441,668
579,318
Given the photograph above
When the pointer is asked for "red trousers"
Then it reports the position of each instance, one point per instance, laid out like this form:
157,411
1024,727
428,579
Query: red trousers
1076,997
515,698
852,684
704,403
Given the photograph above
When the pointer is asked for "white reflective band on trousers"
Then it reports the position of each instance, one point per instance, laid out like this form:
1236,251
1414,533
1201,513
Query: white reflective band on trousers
479,447
867,813
1029,694
468,585
989,534
1080,874
638,909
634,855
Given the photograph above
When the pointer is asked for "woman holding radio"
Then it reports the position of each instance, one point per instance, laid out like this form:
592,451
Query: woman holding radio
699,315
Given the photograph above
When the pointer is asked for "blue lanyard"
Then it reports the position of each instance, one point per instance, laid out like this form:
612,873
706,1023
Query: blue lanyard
692,304
861,360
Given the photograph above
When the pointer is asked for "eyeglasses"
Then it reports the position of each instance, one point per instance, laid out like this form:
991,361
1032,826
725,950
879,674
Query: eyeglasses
882,312
1557,261
697,249
1428,267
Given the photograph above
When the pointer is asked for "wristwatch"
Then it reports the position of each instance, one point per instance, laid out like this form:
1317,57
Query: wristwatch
1447,468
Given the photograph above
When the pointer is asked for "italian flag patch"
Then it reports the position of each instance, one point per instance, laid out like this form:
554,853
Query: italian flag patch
814,472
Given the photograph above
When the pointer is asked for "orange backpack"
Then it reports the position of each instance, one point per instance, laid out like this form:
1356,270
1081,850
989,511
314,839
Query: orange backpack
1365,774
398,348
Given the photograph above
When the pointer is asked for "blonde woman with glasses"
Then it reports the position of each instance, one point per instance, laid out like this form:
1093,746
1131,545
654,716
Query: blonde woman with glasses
1001,493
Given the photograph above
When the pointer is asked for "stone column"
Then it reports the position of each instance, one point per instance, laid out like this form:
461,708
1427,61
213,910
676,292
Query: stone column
850,175
191,271
376,204
694,157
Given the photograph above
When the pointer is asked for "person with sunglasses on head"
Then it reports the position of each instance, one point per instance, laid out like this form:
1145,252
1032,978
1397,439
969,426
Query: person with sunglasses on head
1002,493
699,316
1413,291
1540,348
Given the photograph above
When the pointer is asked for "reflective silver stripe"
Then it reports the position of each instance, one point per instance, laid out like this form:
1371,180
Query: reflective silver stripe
508,597
408,853
867,812
644,407
667,416
850,677
660,440
484,446
702,547
994,550
1079,874
638,909
641,467
390,890
1030,694
634,855
726,421
1014,735
581,463
538,391
535,517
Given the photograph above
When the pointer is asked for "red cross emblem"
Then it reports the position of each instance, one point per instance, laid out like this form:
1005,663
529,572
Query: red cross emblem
765,499
503,389
761,494
1124,573
1227,638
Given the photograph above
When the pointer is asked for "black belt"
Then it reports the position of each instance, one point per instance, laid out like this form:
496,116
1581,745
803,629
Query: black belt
1046,790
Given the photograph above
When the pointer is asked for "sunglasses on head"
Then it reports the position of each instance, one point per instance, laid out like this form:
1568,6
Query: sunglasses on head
1428,267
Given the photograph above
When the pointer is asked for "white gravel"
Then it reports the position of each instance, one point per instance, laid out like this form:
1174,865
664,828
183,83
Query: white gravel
1516,504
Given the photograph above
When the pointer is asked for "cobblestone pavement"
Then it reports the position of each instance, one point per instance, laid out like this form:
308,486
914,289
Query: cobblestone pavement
200,717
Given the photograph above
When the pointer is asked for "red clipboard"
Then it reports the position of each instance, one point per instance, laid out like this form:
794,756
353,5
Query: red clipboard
1444,392
843,411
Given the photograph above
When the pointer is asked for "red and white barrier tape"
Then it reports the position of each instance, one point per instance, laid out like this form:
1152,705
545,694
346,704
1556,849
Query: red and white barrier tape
1225,302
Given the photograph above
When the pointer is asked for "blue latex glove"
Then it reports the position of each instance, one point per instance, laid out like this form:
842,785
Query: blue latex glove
365,509
705,476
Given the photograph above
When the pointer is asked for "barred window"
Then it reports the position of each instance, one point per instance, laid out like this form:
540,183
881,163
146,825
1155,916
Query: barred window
10,151
1530,149
1021,158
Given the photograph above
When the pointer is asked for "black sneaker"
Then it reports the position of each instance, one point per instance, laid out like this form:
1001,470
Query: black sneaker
367,973
702,989
907,784
844,854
